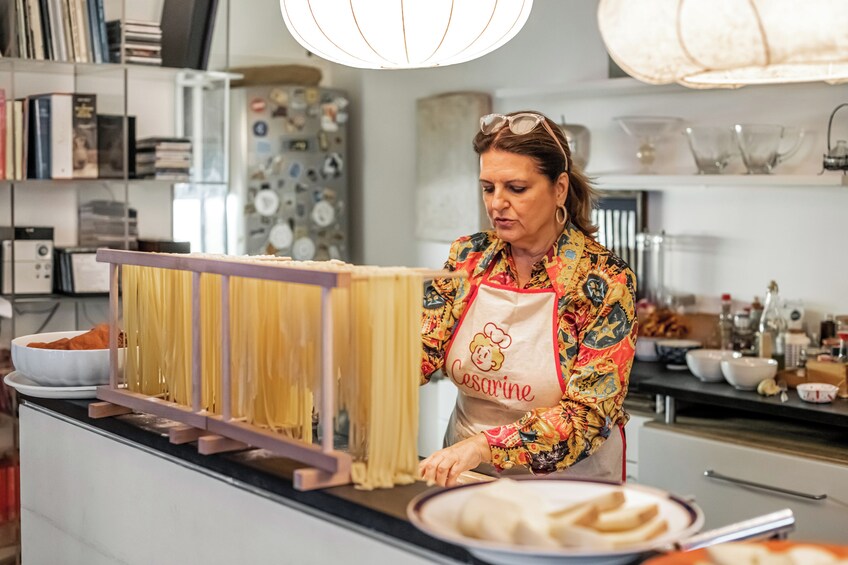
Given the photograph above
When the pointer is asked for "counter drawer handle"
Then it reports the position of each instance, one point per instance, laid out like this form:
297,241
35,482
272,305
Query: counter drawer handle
710,474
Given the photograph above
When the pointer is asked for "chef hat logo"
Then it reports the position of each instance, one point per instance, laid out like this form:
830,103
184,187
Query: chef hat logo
497,335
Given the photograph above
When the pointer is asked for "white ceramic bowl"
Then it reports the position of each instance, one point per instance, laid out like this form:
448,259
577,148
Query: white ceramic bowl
746,373
646,348
56,367
672,352
819,393
706,363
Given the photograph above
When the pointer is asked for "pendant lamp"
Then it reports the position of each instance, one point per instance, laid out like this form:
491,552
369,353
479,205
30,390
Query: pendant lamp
403,34
727,43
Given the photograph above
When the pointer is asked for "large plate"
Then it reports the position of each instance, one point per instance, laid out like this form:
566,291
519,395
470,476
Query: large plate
436,512
700,555
28,387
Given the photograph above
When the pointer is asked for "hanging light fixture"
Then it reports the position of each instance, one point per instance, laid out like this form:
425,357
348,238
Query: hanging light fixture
727,43
403,34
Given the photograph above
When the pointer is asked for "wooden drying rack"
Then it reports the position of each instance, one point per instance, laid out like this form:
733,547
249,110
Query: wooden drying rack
214,433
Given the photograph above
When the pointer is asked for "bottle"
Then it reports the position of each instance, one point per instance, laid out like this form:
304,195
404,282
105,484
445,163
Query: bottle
796,343
725,322
827,328
772,336
756,313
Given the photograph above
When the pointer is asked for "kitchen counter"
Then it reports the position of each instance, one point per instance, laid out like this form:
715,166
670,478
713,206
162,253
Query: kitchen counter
654,378
376,516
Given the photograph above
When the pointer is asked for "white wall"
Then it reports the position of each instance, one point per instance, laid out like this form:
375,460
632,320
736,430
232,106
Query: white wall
731,239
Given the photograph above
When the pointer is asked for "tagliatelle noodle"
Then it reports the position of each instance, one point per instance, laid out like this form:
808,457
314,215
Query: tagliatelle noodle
275,357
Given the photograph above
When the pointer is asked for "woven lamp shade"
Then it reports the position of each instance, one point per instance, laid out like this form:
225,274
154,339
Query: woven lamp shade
727,43
403,34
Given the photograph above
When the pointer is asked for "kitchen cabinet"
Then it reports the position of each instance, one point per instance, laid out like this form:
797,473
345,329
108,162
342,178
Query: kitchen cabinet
816,490
632,432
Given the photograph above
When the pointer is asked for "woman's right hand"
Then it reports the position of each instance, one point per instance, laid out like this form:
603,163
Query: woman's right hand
444,466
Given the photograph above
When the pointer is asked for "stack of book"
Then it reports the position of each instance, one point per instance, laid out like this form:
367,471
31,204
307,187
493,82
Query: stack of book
101,224
163,158
135,41
57,30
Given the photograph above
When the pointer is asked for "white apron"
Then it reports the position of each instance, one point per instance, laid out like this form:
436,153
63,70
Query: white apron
504,358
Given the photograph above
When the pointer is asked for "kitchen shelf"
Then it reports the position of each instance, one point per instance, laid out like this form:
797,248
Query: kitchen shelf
44,298
662,183
152,72
592,88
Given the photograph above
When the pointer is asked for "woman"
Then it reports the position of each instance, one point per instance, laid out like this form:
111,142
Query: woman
539,337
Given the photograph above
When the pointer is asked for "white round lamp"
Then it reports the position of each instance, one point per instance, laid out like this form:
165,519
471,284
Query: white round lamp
403,34
727,43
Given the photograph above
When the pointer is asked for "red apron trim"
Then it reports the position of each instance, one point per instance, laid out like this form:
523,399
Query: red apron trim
623,454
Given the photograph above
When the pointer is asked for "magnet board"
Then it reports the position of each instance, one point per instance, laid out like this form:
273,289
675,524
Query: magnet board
448,200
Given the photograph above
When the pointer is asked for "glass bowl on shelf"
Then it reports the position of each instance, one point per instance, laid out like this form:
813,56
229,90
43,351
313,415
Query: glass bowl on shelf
648,131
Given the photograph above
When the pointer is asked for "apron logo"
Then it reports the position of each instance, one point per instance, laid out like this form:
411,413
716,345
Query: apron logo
486,348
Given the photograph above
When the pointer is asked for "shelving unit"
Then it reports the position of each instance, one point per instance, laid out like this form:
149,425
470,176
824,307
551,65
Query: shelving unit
663,183
166,102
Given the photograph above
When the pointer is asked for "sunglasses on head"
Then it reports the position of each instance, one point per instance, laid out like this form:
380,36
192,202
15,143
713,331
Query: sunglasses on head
519,124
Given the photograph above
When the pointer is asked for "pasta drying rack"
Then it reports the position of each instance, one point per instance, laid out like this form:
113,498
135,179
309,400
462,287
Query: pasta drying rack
214,433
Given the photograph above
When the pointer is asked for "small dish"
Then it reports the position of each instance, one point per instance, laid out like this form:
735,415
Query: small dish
817,393
28,387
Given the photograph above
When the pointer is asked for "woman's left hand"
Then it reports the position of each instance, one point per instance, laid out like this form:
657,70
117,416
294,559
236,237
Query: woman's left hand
444,467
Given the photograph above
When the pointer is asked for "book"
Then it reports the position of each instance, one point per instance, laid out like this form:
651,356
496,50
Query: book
185,27
93,28
36,33
38,145
101,29
8,41
85,135
56,132
3,130
20,136
61,142
163,143
110,146
9,157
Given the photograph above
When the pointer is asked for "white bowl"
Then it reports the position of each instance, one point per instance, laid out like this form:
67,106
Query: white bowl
706,363
646,348
818,393
746,373
57,367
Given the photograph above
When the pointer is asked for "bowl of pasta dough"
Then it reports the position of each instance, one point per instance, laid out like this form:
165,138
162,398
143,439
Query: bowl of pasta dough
72,358
555,520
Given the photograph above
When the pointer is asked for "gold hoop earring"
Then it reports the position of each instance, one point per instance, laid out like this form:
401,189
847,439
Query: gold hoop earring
561,209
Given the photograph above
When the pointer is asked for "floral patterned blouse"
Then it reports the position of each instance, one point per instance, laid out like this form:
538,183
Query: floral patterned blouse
595,293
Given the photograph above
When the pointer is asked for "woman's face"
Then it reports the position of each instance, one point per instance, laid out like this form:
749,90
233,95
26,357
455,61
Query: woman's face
520,201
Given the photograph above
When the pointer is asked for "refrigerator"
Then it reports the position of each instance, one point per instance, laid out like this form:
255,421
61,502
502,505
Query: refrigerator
289,172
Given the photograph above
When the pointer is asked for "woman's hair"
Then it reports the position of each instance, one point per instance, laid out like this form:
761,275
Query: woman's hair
539,146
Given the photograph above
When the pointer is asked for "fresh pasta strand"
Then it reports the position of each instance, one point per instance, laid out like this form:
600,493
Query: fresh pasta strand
275,354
